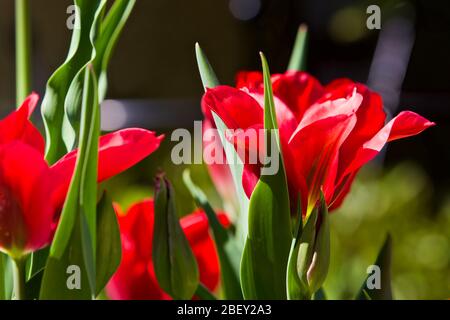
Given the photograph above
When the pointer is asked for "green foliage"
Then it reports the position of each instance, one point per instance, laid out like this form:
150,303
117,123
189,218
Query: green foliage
400,200
79,211
266,251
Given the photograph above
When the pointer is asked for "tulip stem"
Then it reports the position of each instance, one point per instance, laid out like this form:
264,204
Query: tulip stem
23,50
19,274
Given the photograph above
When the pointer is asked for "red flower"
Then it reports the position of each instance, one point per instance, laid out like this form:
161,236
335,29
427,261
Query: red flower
135,278
327,133
32,193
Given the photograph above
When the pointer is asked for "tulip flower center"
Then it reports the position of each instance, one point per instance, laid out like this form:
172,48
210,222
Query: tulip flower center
11,221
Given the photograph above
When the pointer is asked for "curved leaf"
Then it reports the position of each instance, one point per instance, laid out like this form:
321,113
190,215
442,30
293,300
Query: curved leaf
104,36
80,53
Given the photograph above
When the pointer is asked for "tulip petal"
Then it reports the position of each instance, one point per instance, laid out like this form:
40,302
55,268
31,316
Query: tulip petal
25,183
405,124
252,80
313,152
135,278
118,151
236,108
331,108
16,126
298,90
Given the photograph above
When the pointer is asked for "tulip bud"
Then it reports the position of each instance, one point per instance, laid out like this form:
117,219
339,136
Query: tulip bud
310,254
320,261
174,262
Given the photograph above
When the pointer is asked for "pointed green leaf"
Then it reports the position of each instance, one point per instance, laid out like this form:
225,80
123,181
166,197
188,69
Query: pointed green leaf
209,78
109,250
384,263
297,61
174,262
266,251
227,249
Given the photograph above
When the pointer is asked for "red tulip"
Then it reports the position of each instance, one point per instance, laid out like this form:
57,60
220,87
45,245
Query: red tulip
135,278
327,133
32,193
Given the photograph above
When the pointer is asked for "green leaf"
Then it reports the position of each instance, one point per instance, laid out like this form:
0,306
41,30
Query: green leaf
384,263
297,61
36,262
227,250
109,250
79,211
58,273
108,32
80,53
174,262
266,251
209,80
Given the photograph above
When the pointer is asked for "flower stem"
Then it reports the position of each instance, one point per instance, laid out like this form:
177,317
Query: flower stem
23,49
19,274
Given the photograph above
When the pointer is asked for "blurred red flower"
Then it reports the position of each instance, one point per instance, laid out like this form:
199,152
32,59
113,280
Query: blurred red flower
327,132
32,193
135,278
